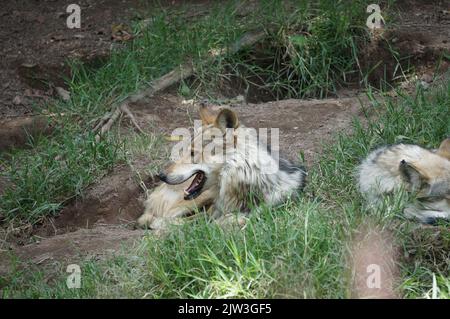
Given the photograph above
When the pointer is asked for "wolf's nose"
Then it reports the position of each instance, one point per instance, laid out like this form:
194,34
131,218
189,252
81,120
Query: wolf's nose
162,176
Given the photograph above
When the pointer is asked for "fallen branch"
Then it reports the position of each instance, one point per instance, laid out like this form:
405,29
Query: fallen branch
174,76
102,121
127,111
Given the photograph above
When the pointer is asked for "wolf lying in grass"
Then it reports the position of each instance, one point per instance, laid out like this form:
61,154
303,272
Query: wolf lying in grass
239,173
424,173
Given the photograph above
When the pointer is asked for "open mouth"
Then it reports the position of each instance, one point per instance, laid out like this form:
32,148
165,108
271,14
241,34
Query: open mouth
196,186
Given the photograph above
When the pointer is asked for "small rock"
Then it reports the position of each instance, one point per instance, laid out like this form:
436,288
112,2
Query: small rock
188,102
58,38
240,98
63,94
28,65
17,100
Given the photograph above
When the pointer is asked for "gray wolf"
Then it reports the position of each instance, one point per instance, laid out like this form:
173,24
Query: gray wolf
422,172
222,170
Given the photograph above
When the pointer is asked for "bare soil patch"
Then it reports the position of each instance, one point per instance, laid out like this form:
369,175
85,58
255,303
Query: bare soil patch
72,247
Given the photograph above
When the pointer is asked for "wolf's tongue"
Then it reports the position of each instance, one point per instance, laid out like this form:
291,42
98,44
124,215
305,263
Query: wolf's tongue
195,183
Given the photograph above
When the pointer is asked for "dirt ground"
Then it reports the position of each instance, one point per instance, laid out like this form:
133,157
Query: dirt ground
419,37
35,41
35,44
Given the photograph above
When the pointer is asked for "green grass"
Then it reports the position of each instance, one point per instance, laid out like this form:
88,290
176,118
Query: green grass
309,51
298,250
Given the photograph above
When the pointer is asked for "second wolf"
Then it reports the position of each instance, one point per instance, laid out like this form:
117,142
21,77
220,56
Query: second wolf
424,173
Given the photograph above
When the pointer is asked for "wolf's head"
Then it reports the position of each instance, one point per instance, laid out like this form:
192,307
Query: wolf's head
204,154
429,176
430,180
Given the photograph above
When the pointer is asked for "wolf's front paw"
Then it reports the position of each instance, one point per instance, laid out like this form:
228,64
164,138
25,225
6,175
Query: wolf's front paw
430,217
228,221
145,221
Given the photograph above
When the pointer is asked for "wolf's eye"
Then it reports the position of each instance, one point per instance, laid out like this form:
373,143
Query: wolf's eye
192,153
425,185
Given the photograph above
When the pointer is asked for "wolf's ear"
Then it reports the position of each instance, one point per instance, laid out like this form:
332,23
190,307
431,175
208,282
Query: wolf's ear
411,175
444,149
207,116
226,119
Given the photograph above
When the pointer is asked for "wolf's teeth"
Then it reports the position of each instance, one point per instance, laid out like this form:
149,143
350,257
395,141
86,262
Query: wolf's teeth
186,192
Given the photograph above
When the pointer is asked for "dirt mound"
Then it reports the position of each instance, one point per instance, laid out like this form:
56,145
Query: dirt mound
15,132
72,247
115,200
102,220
